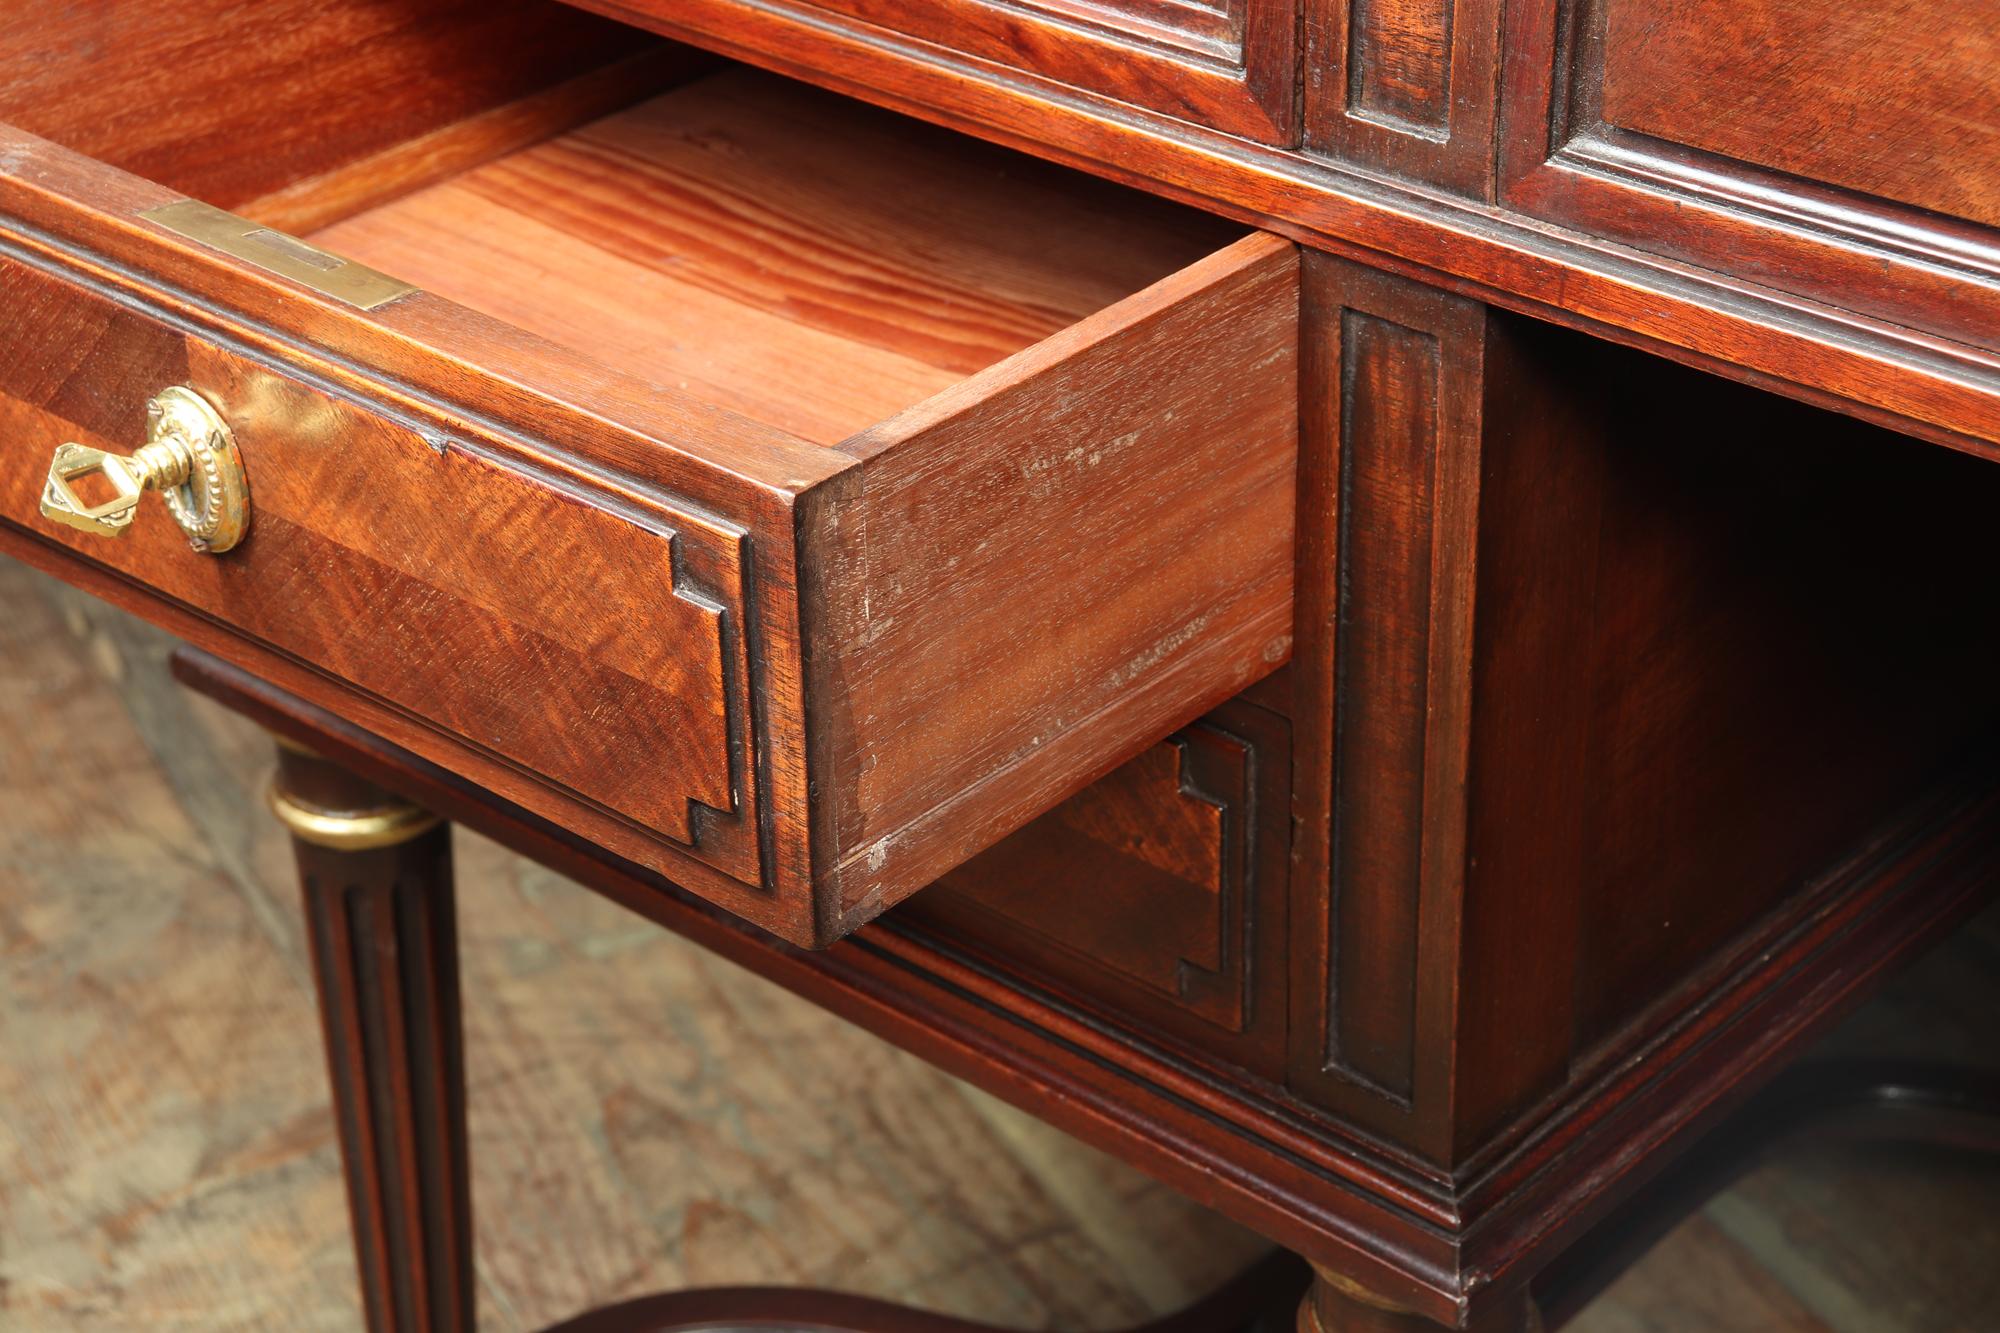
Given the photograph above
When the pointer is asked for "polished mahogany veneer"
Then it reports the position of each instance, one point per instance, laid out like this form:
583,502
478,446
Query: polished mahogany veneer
809,421
1291,706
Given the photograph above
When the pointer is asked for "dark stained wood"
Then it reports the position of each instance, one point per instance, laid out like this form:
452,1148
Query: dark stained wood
1253,1303
410,164
1156,895
1405,86
1394,377
385,958
1567,156
1070,544
1391,376
1638,716
1760,677
1894,99
1226,63
229,105
1434,1248
1609,680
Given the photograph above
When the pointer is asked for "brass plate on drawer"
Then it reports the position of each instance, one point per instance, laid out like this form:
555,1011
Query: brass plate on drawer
328,274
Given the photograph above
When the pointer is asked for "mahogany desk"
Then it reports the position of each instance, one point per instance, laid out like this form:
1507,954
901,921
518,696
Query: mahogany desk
1377,607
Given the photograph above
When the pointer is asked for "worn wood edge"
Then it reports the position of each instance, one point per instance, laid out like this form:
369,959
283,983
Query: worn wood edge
853,884
404,168
947,835
78,216
1239,260
1944,392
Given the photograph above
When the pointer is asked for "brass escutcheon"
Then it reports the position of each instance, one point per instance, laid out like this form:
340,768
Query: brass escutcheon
189,457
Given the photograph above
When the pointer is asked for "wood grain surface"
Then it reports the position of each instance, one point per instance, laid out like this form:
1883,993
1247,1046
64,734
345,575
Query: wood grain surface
1691,278
1895,98
644,1115
817,281
1042,508
174,90
1796,333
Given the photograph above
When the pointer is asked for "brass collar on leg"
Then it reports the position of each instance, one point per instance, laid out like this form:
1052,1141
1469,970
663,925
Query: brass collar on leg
351,830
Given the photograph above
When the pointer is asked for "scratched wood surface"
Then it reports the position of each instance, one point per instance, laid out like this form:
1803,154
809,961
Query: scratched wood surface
643,1115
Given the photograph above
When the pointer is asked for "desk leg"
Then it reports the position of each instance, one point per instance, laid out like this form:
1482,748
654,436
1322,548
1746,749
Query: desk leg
376,875
1336,1305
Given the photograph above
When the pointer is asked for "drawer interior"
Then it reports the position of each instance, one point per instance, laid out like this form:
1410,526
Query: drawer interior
799,257
797,498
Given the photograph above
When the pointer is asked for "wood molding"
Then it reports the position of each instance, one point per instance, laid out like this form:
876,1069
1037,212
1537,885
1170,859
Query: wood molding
1229,64
1449,1250
1408,87
1881,371
1561,158
1396,375
1156,896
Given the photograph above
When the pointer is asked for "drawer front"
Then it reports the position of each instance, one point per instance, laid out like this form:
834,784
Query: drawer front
1849,153
592,637
802,678
1158,891
1228,64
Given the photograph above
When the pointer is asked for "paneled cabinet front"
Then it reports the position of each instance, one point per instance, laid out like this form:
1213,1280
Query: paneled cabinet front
1846,153
1227,64
791,498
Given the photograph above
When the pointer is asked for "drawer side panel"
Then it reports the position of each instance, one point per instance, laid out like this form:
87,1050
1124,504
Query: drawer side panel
1055,563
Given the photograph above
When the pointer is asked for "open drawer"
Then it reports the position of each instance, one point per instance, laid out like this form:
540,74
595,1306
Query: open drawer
792,498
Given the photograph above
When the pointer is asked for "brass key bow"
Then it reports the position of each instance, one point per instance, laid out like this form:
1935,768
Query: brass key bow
189,457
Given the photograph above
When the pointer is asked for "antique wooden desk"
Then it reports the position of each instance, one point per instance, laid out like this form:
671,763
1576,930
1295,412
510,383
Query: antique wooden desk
1390,674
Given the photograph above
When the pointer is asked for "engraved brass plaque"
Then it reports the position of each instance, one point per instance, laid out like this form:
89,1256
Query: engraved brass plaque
275,252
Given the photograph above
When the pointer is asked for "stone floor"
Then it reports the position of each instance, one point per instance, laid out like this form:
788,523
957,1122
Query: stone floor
646,1116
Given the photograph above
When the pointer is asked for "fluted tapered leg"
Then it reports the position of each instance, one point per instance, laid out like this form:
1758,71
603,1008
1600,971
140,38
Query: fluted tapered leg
377,880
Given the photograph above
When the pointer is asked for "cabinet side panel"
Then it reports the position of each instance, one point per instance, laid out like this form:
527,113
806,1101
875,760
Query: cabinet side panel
1391,485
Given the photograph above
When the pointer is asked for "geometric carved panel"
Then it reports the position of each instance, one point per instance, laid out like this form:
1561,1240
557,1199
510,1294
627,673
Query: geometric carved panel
1392,448
1405,86
1151,886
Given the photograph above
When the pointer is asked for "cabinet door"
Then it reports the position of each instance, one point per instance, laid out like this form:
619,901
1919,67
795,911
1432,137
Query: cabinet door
1228,64
1848,153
